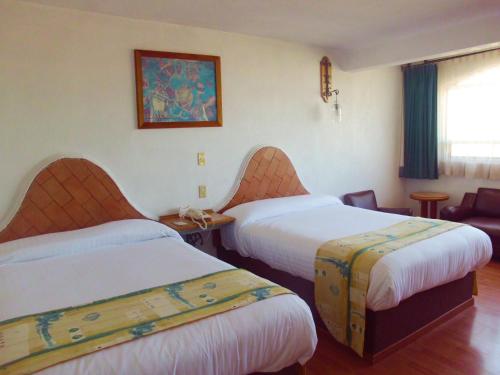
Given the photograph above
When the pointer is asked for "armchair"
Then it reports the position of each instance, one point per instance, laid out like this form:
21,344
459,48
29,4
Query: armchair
481,210
366,199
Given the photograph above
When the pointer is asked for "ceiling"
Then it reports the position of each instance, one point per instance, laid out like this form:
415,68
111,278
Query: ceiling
359,33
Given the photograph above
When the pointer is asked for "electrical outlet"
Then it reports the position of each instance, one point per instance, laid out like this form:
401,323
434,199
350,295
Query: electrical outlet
202,191
201,159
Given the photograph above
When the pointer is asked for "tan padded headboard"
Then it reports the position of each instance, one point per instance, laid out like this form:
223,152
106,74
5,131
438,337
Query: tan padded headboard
269,174
68,194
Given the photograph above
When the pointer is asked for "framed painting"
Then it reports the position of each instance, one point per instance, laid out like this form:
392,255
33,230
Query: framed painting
177,90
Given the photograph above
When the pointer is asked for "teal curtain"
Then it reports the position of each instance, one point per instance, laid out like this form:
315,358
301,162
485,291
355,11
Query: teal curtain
420,122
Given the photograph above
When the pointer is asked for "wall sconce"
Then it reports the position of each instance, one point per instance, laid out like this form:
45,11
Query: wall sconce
326,86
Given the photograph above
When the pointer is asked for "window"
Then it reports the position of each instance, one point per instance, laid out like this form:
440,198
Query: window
469,116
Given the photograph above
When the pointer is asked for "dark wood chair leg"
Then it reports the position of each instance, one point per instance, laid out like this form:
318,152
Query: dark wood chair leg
433,209
423,209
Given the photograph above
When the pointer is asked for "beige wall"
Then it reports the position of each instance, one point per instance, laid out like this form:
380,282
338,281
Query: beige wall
67,86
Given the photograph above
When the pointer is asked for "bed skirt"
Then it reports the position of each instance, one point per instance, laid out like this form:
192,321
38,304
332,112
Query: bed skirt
387,330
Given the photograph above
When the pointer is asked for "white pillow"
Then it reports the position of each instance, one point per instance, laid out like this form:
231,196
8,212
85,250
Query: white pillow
250,212
77,241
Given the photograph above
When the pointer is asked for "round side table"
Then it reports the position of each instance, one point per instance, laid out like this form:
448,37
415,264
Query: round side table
426,198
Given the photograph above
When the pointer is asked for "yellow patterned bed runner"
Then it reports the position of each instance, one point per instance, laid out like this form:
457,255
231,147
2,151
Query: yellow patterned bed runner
343,270
34,342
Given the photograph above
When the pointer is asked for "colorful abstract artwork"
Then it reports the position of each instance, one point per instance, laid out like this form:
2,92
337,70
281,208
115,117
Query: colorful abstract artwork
177,90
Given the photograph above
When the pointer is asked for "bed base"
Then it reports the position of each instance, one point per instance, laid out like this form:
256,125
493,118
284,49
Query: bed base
387,330
295,369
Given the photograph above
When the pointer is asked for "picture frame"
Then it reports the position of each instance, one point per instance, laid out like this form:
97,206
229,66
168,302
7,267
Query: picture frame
177,90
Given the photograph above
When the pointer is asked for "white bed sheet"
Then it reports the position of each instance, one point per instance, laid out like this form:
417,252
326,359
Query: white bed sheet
285,233
264,336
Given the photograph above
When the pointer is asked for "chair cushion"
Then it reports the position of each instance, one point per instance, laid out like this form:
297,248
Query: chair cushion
489,225
362,199
487,202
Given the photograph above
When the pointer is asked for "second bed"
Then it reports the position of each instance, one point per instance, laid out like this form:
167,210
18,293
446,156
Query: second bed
279,228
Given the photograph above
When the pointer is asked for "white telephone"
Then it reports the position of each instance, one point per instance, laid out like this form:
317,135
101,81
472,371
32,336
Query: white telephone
197,216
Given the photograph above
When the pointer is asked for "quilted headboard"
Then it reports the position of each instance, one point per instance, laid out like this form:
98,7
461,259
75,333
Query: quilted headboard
70,193
268,174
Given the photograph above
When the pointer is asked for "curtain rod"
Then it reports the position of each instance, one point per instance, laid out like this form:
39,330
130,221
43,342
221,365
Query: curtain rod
448,58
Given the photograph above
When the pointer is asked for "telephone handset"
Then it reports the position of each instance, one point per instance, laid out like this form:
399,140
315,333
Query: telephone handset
197,216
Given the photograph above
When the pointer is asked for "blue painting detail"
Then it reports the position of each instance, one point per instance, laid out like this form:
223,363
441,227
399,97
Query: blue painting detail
178,90
342,265
43,324
174,289
91,317
261,294
334,289
209,285
141,330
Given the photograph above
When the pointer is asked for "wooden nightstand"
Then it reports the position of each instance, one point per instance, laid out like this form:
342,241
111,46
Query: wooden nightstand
190,231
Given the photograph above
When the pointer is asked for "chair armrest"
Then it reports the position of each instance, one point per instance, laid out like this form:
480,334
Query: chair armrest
456,213
399,211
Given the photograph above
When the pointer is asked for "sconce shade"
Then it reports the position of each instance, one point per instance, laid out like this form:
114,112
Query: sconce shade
326,78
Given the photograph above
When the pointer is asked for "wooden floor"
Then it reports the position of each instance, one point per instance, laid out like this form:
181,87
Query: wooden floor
467,344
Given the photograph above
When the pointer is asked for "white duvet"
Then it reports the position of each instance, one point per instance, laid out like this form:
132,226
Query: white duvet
56,271
285,233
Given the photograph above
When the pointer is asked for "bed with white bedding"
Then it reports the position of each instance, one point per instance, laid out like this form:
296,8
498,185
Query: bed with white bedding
42,269
286,233
54,271
279,228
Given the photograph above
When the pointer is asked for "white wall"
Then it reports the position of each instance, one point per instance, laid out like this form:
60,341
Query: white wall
67,86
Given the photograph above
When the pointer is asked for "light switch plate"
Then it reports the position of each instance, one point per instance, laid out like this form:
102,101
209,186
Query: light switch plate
202,191
201,159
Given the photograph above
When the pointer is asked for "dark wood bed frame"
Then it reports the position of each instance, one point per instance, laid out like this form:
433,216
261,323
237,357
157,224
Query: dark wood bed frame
74,193
270,174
